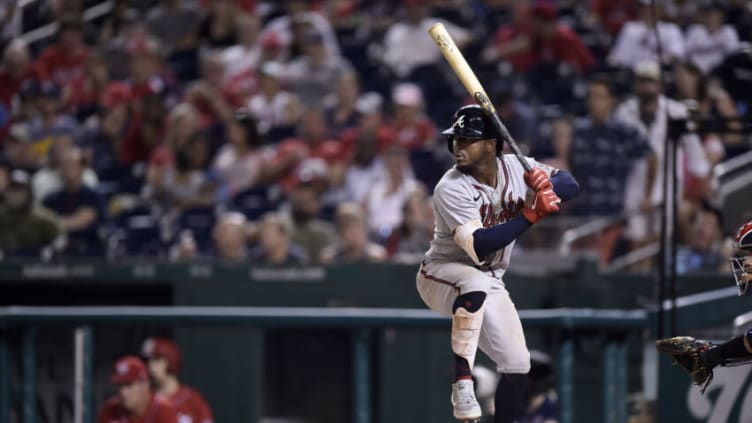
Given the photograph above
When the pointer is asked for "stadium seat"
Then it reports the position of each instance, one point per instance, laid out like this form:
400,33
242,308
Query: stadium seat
200,221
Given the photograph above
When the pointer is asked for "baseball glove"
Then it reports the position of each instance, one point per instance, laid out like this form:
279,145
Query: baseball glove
687,353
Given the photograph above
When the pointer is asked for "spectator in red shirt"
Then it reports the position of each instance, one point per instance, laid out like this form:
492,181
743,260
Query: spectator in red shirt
65,60
612,14
313,142
15,73
135,402
414,129
82,96
146,67
537,37
371,127
164,364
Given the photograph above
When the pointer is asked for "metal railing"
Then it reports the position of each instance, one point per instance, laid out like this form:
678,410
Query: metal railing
362,323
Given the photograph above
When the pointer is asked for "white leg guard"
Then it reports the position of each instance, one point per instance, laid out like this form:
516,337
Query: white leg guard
466,333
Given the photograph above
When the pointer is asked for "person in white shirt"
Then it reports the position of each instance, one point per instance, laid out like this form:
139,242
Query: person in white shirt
647,112
273,106
388,195
711,41
406,45
636,41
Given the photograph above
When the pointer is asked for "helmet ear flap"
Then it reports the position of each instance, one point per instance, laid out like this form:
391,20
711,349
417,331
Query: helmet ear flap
450,143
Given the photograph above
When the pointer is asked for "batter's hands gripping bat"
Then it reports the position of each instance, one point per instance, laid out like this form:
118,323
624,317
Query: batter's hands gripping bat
455,58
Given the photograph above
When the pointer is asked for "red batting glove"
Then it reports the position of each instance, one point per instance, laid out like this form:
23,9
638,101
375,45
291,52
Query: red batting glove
546,202
537,179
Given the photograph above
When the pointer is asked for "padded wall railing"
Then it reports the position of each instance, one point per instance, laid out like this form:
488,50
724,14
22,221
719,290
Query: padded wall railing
363,323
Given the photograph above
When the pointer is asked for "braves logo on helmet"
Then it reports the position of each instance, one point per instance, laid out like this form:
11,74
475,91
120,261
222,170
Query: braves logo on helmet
471,122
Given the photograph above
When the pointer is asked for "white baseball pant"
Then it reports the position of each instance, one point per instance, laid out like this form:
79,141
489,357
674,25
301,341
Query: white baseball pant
501,336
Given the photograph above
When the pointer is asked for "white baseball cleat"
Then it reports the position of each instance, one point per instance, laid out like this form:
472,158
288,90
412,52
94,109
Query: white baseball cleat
466,407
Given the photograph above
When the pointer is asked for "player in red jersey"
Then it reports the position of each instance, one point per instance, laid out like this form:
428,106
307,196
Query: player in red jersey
135,402
164,365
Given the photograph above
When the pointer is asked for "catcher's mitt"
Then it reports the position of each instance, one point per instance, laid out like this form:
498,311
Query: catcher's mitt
687,353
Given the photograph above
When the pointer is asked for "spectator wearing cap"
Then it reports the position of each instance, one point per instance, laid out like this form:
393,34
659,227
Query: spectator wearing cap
16,72
414,130
313,76
231,233
25,229
340,108
276,109
406,47
274,244
710,41
242,162
80,208
163,361
65,60
302,215
646,111
536,38
313,141
352,244
135,402
51,120
48,179
637,43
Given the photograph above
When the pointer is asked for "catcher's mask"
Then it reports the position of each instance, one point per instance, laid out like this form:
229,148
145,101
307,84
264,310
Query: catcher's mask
471,122
741,263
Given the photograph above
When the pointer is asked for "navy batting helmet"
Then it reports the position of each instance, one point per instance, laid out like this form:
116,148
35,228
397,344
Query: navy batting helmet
471,122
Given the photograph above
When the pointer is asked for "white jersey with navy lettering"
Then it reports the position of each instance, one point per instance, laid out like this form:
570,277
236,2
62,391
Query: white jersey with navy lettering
458,199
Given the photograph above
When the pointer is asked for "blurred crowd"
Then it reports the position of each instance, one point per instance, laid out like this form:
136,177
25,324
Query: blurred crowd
293,131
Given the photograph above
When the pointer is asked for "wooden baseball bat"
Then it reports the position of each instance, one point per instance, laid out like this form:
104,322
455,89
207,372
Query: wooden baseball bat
463,71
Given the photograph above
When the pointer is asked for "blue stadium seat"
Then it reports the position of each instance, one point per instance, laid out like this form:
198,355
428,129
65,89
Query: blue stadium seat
254,202
138,233
200,221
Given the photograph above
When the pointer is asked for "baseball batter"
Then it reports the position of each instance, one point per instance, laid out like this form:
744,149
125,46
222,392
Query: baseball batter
481,206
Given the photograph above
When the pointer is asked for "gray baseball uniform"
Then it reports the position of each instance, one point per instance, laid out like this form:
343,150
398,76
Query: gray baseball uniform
448,270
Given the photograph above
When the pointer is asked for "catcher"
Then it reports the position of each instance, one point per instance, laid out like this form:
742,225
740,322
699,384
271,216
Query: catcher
700,357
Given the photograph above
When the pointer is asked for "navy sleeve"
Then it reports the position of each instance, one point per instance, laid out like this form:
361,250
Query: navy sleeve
488,240
565,186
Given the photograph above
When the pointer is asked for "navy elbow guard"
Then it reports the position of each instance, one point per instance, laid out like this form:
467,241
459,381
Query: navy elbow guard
565,186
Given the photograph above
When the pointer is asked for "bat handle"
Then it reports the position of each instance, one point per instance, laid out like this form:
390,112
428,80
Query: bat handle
505,136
